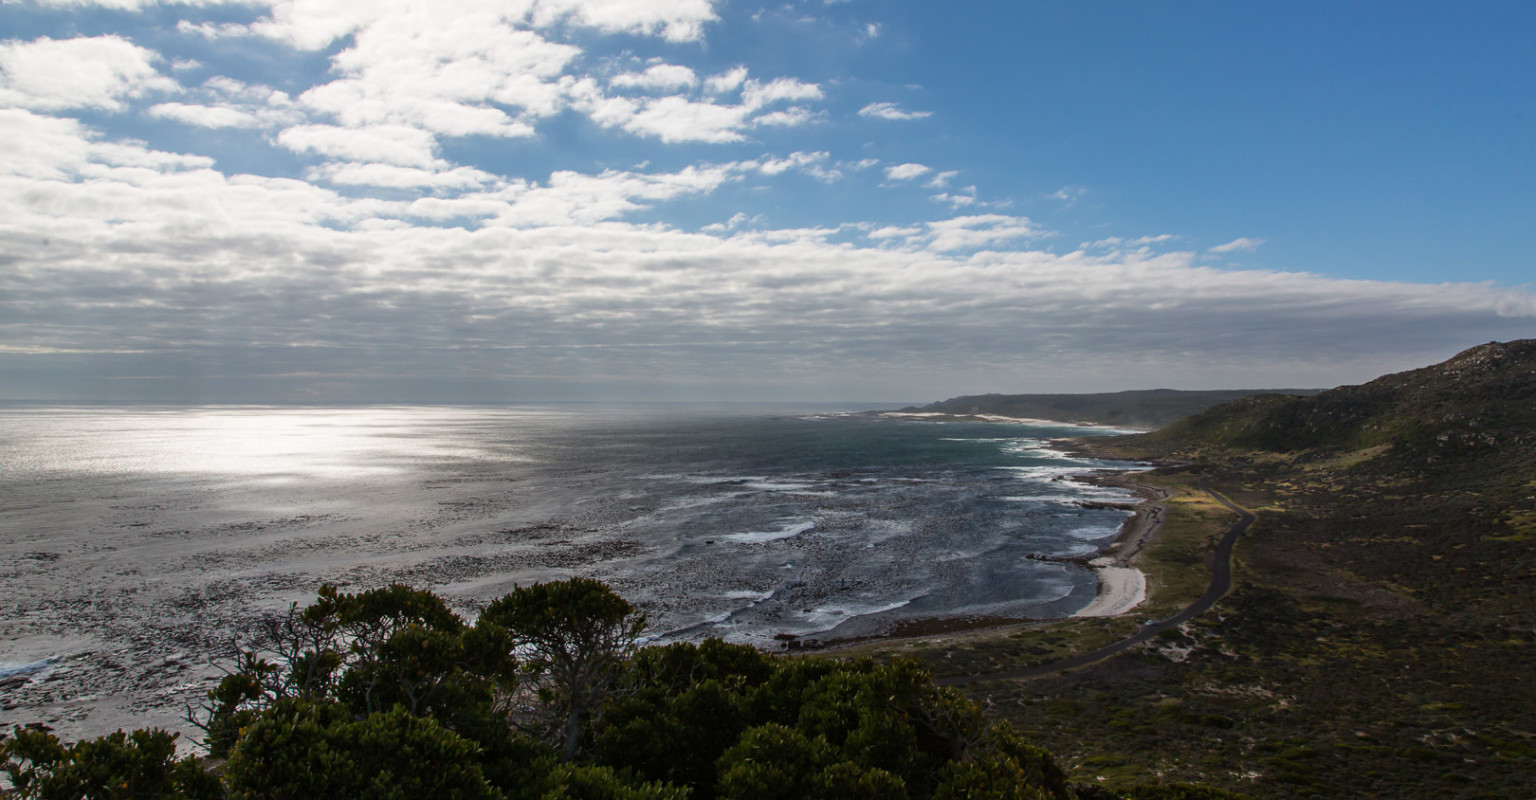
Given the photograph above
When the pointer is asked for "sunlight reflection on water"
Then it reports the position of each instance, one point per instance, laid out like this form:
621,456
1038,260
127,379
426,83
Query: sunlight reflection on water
244,442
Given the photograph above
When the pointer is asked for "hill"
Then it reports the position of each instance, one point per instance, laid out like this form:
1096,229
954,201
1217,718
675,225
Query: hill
1476,410
1379,639
1151,408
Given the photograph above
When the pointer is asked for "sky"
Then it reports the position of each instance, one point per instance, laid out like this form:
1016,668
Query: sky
385,201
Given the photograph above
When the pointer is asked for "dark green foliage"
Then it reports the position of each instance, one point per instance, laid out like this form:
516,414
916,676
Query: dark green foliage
682,706
1004,767
387,695
675,737
1037,765
810,728
1475,412
986,778
892,718
573,637
772,762
1179,791
303,749
371,651
118,766
573,782
849,781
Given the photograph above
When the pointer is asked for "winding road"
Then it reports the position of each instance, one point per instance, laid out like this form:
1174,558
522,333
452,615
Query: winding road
1221,583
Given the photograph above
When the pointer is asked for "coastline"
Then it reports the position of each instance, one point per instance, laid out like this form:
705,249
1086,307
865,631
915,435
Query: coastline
1123,587
181,574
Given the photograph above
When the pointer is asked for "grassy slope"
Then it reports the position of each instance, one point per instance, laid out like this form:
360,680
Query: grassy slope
1150,408
1380,642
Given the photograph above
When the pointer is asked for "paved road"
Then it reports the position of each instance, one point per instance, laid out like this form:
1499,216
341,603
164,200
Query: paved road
1221,583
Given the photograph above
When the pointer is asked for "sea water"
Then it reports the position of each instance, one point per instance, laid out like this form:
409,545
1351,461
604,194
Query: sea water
168,530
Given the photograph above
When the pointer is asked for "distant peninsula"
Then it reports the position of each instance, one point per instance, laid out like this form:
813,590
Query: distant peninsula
1146,409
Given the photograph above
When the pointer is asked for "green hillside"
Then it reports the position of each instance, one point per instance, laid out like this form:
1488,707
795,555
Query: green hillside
1151,408
1476,410
1379,641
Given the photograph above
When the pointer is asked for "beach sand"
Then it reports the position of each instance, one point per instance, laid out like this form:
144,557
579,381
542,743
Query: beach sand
1123,587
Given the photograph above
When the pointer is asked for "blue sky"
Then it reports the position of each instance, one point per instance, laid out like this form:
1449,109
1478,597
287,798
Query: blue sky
344,201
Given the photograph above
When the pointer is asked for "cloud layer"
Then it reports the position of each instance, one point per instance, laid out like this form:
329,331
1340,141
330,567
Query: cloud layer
385,260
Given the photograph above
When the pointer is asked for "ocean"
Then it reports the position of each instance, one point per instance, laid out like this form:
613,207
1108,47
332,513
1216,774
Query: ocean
136,543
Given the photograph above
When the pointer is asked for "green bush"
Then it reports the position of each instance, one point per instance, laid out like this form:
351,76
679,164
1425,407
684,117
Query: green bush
315,749
388,695
141,764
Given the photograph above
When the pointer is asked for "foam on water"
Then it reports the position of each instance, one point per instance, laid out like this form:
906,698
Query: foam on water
743,525
11,670
789,531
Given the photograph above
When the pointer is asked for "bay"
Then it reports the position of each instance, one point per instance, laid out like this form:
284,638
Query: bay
139,541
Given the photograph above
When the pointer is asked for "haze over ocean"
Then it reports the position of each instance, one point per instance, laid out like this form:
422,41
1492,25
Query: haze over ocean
157,533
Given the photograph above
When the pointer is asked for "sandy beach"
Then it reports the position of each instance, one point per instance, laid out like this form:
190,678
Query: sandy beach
1123,587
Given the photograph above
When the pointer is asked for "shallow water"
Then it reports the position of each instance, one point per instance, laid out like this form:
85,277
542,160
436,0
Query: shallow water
158,533
737,523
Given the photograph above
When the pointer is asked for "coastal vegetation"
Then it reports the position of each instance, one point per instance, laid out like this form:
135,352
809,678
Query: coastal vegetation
388,693
1378,639
1377,643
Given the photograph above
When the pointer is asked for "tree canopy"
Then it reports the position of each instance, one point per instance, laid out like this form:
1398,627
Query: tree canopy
387,694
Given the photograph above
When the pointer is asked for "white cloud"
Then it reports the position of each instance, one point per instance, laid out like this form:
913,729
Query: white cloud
575,198
788,118
52,149
660,77
981,230
1121,242
397,177
798,160
942,179
229,103
315,24
905,172
120,5
675,118
528,271
114,246
213,31
133,5
39,146
1241,244
756,95
388,144
894,232
812,164
477,68
671,119
673,20
737,220
98,72
726,81
1070,194
452,74
954,200
891,111
205,116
